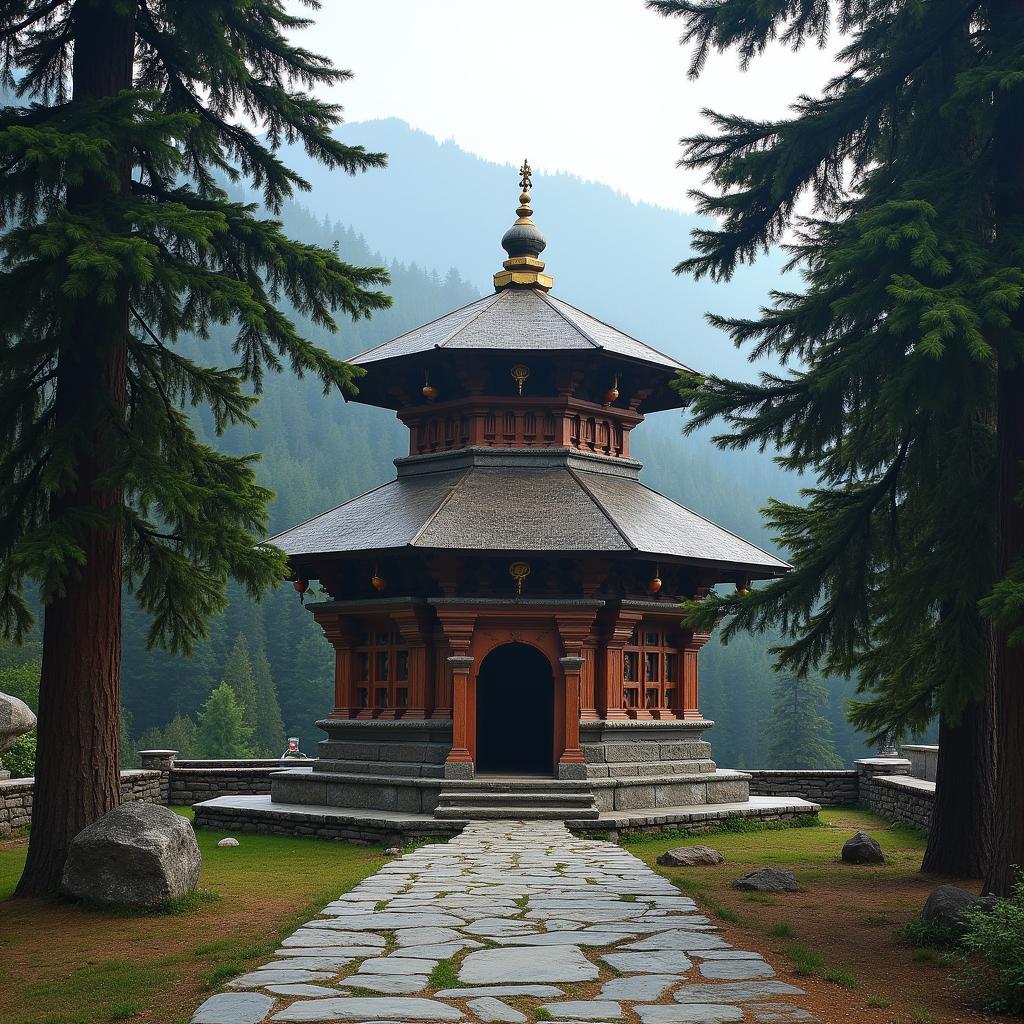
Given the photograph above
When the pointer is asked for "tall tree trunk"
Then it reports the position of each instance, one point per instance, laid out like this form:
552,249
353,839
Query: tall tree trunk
1008,850
77,761
960,836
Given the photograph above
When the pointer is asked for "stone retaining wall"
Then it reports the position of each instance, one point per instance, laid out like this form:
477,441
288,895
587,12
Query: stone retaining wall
16,796
903,799
827,788
189,781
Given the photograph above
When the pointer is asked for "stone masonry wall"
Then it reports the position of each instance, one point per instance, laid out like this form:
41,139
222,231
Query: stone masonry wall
905,800
828,788
16,796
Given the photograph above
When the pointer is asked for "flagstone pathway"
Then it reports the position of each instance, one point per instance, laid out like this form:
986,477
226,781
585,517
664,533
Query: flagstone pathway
532,924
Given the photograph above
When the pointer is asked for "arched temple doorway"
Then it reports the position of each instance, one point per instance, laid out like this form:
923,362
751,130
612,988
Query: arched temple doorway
515,701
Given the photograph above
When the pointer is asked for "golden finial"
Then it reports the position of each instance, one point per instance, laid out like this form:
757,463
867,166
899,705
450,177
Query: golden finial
519,571
524,243
526,179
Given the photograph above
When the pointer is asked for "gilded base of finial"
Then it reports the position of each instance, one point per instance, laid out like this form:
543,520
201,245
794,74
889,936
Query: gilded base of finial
524,271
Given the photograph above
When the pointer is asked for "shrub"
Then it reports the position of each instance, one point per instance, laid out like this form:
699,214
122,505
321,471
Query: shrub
923,935
995,935
20,760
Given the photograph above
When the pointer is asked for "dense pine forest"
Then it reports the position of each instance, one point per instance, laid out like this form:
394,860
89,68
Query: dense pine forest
318,451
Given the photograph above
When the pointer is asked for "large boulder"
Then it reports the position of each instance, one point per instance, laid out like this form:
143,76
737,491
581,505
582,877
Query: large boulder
768,880
690,857
16,719
863,849
138,855
945,908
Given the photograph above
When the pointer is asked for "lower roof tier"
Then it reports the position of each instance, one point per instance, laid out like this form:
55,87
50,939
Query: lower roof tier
552,502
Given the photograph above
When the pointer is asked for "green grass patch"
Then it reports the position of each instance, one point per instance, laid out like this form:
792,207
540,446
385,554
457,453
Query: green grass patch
727,914
878,1003
781,930
444,975
540,1013
805,961
923,954
923,935
845,979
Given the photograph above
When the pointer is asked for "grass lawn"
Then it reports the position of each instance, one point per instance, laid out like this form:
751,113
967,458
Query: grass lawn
63,964
837,937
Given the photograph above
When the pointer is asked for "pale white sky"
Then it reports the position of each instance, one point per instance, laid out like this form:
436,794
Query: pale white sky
597,88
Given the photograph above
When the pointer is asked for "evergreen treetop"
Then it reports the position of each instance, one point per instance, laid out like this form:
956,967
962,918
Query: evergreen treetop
222,729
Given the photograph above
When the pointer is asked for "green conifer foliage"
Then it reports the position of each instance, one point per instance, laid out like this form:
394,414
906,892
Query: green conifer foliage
269,738
222,729
116,240
180,734
896,348
238,675
800,736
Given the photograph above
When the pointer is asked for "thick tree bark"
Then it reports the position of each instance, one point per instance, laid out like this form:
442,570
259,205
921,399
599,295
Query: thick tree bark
77,761
960,836
1008,849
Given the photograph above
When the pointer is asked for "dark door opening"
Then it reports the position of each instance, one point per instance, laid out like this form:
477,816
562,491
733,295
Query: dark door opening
515,703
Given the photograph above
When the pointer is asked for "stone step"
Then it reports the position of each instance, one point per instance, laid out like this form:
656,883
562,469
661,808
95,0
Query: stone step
553,798
518,813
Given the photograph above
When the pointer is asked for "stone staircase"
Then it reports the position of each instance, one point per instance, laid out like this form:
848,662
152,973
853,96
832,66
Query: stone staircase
518,799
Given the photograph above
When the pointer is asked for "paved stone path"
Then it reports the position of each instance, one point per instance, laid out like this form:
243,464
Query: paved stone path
528,923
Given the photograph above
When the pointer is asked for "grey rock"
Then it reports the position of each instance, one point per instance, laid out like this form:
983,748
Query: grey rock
639,987
682,940
500,990
390,1008
227,842
656,961
946,904
494,1011
234,1008
735,992
16,719
736,970
260,979
521,963
301,990
585,1009
691,857
388,984
862,849
396,965
138,855
768,880
422,936
726,954
689,1013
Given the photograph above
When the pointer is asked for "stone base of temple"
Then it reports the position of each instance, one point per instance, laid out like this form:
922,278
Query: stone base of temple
261,815
400,765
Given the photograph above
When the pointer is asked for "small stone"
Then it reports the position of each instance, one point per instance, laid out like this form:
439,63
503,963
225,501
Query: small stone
768,880
735,992
657,961
521,963
689,1013
259,979
228,841
862,849
494,1011
736,970
500,990
362,1008
138,855
946,904
639,987
234,1008
691,857
392,851
388,984
585,1009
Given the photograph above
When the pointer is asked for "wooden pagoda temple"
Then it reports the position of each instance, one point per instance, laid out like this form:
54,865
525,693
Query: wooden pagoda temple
507,609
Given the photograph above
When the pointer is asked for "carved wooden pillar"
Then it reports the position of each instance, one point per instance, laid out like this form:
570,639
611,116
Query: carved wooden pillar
339,632
610,700
458,626
572,763
690,696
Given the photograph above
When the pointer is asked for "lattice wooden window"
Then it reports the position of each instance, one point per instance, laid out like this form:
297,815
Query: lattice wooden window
381,672
650,670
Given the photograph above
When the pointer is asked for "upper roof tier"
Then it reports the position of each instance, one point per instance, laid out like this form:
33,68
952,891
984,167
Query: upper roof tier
519,320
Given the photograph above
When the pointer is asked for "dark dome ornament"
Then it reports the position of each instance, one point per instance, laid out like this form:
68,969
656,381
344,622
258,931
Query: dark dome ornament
524,243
